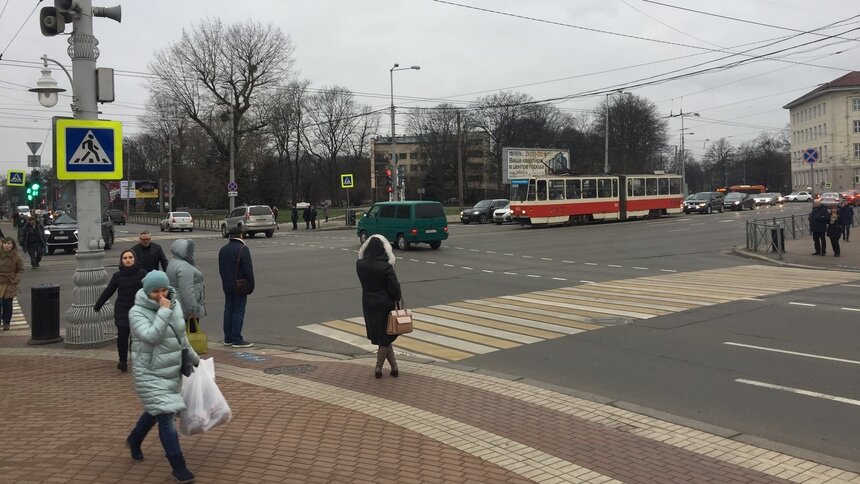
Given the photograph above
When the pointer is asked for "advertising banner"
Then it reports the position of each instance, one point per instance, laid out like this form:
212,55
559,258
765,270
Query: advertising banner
521,163
136,189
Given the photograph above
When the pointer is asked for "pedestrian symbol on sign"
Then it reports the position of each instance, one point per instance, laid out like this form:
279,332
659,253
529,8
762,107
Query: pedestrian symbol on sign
89,151
346,181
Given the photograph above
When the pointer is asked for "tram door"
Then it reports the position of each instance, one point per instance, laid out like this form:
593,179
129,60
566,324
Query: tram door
622,197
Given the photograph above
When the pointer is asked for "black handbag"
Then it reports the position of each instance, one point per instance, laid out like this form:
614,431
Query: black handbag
186,367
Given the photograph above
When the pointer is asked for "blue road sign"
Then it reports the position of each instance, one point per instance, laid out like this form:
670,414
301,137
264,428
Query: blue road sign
810,155
15,178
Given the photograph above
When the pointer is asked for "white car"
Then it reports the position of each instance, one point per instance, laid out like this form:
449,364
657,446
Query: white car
502,215
764,199
798,197
177,221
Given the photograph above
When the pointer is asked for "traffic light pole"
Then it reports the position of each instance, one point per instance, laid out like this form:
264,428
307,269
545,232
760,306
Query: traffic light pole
86,328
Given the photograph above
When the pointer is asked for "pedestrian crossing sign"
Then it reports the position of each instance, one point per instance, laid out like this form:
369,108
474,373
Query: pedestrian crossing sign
87,149
346,181
15,178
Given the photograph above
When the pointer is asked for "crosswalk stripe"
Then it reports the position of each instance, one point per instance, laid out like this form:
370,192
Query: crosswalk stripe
461,329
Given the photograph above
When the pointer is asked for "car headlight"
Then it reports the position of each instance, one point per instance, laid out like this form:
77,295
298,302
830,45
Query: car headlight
476,213
76,232
737,203
47,232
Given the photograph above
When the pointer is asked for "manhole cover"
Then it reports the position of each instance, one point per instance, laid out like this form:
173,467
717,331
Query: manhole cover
290,369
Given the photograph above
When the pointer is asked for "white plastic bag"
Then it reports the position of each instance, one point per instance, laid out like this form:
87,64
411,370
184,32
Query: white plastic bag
204,402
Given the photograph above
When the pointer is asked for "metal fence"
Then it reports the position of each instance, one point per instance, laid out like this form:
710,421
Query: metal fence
769,234
201,221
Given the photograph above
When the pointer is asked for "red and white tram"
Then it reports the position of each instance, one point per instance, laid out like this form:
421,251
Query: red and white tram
561,199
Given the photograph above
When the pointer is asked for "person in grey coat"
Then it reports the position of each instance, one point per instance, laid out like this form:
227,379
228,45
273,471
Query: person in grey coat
187,279
158,337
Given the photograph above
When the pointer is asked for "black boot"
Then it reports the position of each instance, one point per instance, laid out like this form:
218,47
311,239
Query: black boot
381,354
135,438
180,472
392,361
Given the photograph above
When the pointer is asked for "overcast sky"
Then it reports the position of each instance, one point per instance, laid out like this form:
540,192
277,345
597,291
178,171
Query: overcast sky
546,48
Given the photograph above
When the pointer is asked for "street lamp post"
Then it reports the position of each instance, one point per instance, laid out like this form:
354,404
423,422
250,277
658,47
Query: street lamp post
681,153
395,194
86,328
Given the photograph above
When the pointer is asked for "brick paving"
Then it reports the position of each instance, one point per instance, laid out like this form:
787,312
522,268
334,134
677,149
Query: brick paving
66,413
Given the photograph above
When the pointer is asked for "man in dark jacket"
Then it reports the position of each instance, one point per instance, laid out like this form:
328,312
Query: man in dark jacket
818,219
148,254
234,262
313,217
306,216
846,216
34,241
294,217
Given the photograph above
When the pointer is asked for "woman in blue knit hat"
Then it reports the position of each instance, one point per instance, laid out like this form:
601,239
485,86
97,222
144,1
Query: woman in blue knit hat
158,337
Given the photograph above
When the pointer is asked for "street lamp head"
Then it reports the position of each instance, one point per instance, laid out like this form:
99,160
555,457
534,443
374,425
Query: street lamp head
415,67
396,65
47,89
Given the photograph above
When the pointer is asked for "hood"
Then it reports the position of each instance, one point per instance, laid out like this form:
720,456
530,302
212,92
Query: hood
142,299
375,251
183,249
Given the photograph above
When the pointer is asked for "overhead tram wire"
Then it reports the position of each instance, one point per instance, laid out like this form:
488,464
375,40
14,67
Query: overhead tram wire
673,28
4,9
19,28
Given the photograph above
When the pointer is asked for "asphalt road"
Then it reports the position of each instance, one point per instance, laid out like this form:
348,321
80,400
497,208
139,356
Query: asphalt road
680,363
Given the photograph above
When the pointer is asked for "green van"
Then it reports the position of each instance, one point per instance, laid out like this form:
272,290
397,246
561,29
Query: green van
405,223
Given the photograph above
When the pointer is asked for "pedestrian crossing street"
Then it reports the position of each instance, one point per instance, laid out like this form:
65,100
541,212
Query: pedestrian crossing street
462,329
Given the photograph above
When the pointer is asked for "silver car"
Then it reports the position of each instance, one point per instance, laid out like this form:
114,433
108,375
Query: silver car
252,219
177,221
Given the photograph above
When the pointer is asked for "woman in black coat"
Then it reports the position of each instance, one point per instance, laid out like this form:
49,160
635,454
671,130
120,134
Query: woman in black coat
834,229
379,292
126,282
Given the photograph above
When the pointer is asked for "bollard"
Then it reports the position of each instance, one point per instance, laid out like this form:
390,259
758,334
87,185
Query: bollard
45,304
349,216
777,237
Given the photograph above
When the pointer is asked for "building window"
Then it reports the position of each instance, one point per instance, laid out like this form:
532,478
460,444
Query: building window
474,154
824,109
825,130
856,150
413,156
856,103
856,126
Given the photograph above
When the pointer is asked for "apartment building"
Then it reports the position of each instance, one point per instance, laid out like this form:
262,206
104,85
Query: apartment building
828,120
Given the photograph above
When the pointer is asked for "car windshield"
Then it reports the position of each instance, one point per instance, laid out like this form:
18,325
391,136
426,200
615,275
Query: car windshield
65,219
734,196
483,204
795,193
702,196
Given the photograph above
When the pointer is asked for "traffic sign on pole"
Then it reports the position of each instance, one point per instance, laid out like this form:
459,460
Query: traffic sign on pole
232,187
88,149
346,180
15,178
810,155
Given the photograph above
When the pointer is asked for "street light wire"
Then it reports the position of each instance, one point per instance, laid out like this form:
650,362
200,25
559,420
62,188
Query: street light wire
19,28
4,9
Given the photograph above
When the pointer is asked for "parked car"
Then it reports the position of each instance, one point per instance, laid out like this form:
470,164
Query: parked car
738,201
252,219
23,210
764,199
177,221
405,223
852,197
832,198
63,234
704,202
778,198
799,197
502,215
116,216
482,212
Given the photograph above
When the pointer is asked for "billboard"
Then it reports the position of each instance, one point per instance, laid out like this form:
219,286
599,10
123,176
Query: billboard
137,189
520,163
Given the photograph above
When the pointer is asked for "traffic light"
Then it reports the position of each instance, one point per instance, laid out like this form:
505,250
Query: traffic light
388,174
33,189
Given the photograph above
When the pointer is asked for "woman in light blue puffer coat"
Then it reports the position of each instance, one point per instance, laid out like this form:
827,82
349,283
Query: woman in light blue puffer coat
157,339
187,279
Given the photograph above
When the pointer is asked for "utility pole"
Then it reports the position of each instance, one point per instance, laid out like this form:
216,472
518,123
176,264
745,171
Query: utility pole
682,153
606,138
459,161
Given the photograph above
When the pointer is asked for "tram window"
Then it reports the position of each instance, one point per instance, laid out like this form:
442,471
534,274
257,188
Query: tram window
638,185
615,188
574,189
589,188
651,186
556,189
541,190
532,191
663,186
604,188
674,186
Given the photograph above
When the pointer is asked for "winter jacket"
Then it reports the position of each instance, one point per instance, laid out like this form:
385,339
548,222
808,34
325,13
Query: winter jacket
34,236
125,282
818,219
150,257
379,288
306,215
157,339
294,215
846,214
186,278
11,271
227,265
834,225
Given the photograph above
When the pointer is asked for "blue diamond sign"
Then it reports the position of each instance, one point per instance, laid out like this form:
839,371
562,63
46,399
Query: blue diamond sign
87,149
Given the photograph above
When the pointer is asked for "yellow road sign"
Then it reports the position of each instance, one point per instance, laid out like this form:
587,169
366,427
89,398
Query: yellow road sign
87,149
347,180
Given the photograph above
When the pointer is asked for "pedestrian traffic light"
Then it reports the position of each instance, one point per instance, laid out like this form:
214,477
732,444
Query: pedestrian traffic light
32,191
388,174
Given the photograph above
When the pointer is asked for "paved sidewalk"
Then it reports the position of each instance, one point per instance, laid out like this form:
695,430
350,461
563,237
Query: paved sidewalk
300,417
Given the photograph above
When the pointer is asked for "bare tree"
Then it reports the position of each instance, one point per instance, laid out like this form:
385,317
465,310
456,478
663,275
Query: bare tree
436,130
717,162
219,70
637,133
496,115
286,117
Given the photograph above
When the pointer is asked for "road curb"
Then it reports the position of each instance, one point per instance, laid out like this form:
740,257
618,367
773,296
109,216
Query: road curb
752,255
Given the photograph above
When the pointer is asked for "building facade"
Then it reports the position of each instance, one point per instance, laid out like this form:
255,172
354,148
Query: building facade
828,120
414,159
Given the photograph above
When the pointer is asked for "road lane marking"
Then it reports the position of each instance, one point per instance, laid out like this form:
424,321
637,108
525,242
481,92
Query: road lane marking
695,224
527,257
752,299
850,285
474,250
640,268
613,265
802,304
429,262
545,258
510,273
678,230
796,353
487,271
724,221
467,268
509,254
413,260
448,265
591,263
668,270
532,275
568,262
800,391
490,252
558,279
586,282
850,309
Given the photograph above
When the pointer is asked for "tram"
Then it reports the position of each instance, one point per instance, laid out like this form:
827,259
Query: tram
564,199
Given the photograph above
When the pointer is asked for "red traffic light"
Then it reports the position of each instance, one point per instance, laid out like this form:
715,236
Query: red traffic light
388,172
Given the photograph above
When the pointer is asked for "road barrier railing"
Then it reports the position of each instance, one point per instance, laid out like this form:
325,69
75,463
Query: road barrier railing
201,221
769,234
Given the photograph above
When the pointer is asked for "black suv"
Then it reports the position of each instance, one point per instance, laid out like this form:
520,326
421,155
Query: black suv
116,216
63,234
482,212
704,202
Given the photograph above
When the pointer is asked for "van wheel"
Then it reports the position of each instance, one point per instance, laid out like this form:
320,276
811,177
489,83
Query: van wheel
437,243
362,237
402,243
224,231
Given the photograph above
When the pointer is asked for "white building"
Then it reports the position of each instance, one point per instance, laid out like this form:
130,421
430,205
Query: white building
828,120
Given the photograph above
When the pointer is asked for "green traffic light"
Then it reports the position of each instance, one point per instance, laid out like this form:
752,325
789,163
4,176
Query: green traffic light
36,187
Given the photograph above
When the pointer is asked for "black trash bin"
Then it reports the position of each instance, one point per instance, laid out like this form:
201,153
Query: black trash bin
349,215
45,324
777,239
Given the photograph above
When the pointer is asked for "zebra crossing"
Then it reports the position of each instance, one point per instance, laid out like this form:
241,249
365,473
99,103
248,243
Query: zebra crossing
462,329
18,320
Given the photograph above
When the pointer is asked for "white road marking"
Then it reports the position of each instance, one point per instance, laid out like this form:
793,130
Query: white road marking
545,258
799,391
532,275
850,309
490,252
568,262
668,270
474,250
678,230
413,260
586,282
467,268
527,257
850,285
724,221
752,299
700,223
510,273
347,250
458,248
448,265
558,279
429,262
613,265
640,268
802,304
808,355
591,263
474,328
509,254
487,271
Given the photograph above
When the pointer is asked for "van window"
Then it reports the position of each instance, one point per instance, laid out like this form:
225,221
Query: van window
403,211
374,211
429,210
260,210
387,211
574,189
